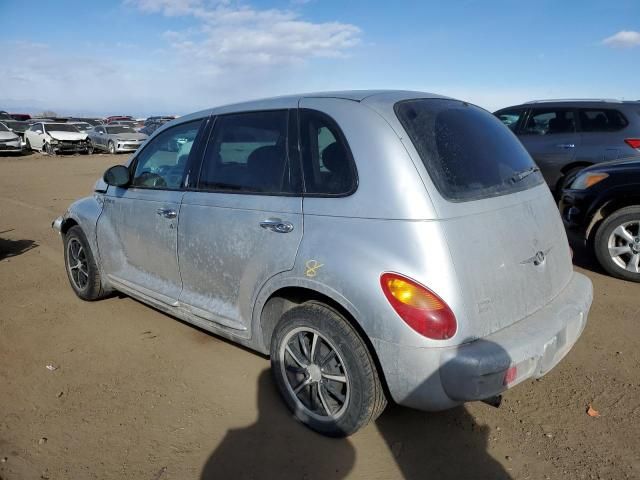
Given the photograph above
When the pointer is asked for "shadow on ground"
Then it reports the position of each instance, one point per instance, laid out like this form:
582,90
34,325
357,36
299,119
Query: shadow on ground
13,248
448,445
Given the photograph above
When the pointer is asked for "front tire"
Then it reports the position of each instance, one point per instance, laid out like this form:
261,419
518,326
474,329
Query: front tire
82,270
617,244
48,149
324,371
112,148
27,146
90,148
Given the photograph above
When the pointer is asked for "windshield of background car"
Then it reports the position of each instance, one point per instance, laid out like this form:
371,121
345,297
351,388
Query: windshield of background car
60,127
3,128
112,130
82,126
468,153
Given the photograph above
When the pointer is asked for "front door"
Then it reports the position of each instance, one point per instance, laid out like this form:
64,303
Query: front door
137,230
550,137
243,224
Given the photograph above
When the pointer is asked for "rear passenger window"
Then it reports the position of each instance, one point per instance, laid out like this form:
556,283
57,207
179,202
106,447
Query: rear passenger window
550,121
510,118
326,160
601,120
247,152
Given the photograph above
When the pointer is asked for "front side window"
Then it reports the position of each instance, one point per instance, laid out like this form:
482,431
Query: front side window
550,121
247,152
163,162
326,159
468,152
601,120
510,118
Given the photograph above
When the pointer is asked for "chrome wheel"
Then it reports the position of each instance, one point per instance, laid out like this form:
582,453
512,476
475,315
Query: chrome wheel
112,148
77,264
315,374
624,246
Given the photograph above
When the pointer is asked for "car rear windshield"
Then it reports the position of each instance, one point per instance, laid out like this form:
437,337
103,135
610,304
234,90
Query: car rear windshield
468,153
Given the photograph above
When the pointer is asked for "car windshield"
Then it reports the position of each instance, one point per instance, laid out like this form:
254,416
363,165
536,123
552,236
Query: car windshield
82,126
468,152
119,129
3,128
60,127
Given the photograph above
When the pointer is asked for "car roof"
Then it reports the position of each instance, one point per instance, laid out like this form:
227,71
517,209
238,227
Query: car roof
571,102
291,101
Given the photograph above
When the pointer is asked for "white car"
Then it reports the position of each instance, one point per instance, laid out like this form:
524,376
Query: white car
9,141
55,138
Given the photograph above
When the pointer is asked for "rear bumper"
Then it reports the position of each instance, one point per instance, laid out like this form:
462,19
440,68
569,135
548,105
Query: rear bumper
440,378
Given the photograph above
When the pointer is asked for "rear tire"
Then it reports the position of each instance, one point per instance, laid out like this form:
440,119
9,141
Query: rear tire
617,244
82,270
343,392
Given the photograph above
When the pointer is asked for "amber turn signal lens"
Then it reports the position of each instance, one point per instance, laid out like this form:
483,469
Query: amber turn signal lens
419,307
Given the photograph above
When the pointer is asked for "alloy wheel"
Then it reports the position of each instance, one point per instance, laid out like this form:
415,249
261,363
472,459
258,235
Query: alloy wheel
624,246
315,374
77,264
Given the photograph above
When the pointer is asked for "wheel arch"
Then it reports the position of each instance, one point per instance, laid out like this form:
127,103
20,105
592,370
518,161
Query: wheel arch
606,208
285,297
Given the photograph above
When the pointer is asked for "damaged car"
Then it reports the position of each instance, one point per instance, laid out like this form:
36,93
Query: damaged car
53,138
9,140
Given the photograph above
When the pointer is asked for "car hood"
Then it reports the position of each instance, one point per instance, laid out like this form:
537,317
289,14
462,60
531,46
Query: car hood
628,163
128,136
66,135
8,136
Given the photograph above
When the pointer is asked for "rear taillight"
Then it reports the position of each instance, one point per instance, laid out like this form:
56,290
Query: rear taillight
633,142
419,307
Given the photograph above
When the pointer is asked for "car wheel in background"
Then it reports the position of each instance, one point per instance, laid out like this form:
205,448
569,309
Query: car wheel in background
48,149
112,148
617,244
324,371
82,270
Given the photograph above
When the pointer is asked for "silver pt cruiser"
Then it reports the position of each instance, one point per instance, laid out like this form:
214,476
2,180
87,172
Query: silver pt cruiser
376,244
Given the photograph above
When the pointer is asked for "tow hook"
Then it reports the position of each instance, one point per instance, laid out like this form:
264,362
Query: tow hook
494,401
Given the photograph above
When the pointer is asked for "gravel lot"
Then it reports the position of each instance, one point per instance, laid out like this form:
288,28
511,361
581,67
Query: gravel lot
133,393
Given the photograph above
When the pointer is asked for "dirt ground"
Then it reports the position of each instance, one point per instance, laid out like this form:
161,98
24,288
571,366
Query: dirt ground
133,393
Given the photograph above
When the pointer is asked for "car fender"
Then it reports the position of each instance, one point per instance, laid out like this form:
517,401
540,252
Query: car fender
85,213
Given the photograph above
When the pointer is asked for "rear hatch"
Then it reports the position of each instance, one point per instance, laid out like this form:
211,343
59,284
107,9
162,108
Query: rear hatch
503,229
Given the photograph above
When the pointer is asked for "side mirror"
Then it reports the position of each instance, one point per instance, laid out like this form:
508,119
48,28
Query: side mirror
117,176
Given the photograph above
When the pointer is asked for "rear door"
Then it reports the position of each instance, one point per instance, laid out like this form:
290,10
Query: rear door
549,135
137,230
601,134
242,224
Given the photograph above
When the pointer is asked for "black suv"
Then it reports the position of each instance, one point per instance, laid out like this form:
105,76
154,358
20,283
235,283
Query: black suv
565,136
602,206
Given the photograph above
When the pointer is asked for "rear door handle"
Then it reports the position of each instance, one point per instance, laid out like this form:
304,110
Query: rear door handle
277,225
566,145
167,213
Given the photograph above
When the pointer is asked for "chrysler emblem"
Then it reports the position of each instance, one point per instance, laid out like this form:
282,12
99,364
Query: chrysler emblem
538,258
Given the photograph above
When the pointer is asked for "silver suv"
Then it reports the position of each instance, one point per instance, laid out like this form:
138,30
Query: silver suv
378,245
565,136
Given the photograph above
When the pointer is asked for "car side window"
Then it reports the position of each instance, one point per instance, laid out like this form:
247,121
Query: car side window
601,120
511,118
162,163
326,159
550,121
247,153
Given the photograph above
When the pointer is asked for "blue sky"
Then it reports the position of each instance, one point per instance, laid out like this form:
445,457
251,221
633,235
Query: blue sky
145,57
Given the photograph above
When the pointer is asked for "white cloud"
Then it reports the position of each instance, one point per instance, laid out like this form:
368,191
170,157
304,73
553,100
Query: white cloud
240,35
623,39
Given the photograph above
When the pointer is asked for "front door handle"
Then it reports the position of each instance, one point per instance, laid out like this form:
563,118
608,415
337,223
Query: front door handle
566,145
277,225
167,213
